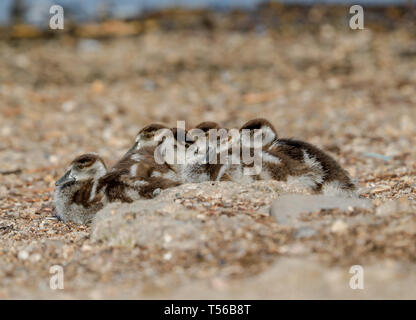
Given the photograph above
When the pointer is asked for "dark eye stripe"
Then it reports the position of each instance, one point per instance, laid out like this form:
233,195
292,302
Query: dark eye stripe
83,165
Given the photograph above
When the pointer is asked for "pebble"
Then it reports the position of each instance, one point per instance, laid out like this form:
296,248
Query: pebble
380,189
23,255
339,226
287,209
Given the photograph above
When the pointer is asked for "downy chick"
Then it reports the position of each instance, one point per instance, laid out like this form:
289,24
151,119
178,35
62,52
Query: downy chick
205,160
299,162
137,176
146,137
161,148
87,186
76,197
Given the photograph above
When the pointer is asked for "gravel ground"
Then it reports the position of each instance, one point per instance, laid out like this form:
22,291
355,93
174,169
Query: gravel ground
352,93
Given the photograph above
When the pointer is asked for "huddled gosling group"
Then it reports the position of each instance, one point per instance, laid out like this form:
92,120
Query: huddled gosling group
148,167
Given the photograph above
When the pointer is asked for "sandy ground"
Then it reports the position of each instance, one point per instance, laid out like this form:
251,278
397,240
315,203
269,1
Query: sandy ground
352,93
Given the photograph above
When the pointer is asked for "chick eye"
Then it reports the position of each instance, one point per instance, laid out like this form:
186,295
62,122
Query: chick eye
82,164
84,161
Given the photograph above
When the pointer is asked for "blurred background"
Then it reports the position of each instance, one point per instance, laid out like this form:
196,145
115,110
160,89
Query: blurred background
36,11
119,65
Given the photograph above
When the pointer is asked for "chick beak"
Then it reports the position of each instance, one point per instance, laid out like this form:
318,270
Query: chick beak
66,178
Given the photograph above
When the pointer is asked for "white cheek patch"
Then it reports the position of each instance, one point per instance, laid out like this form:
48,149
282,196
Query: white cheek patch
97,170
268,135
79,175
100,169
149,143
142,142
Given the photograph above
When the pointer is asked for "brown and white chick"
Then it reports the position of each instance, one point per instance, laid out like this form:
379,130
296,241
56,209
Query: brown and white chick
87,186
146,137
204,161
76,197
299,162
156,147
137,176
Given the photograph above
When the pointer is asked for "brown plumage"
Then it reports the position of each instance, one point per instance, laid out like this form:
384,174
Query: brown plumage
207,125
204,164
87,186
257,123
76,198
138,175
151,128
332,172
268,132
301,161
146,137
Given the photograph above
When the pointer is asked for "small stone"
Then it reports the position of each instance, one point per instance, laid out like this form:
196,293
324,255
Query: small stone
86,247
35,257
167,237
380,189
339,226
287,209
68,106
23,255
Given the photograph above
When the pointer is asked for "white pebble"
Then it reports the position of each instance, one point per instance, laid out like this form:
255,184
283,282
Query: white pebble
339,226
